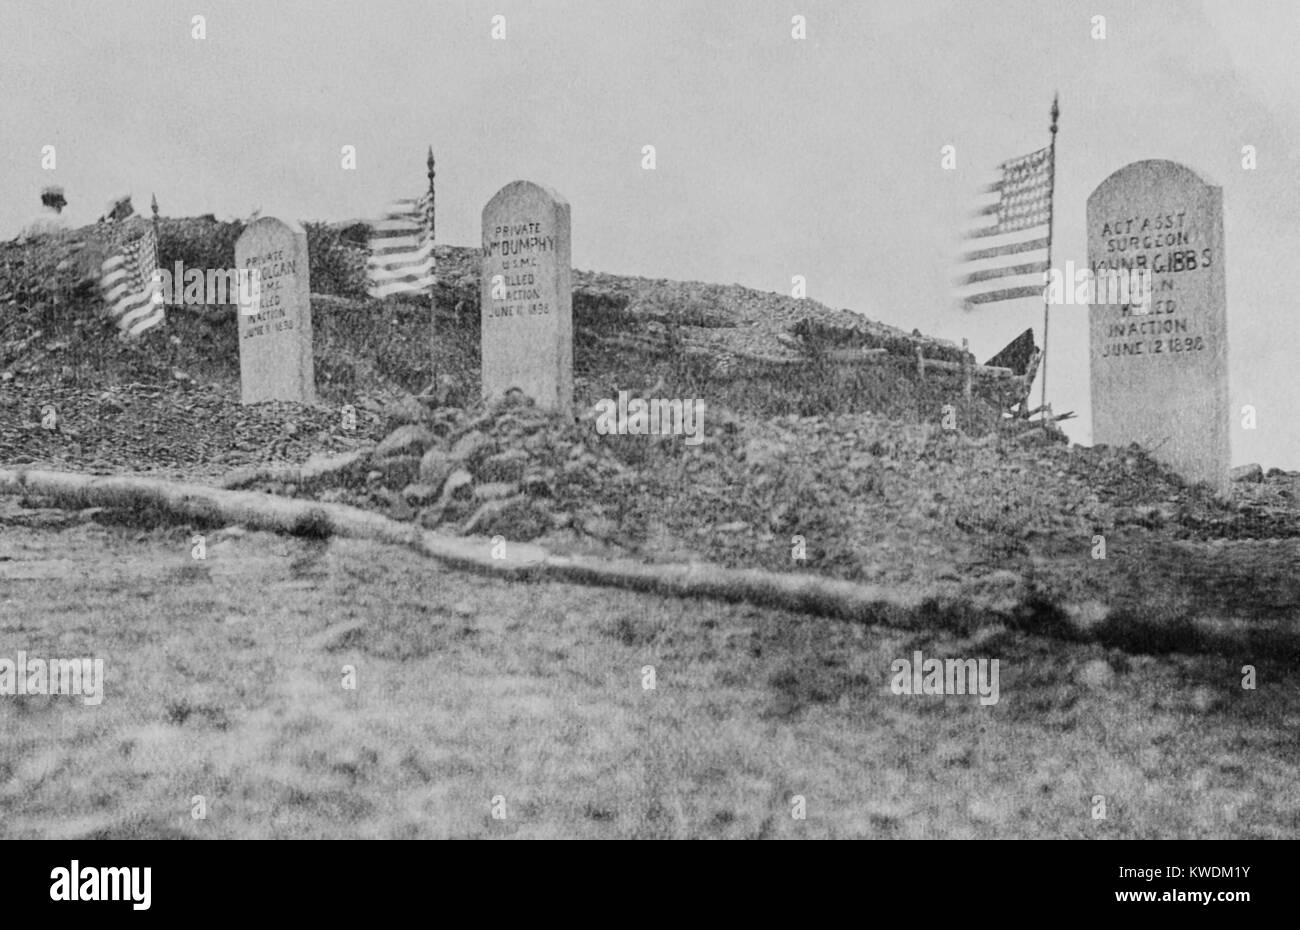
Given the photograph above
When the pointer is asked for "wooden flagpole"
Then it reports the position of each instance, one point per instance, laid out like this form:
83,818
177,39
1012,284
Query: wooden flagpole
433,289
157,240
157,261
1051,199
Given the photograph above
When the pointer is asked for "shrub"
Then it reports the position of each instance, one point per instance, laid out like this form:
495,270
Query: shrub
198,243
338,265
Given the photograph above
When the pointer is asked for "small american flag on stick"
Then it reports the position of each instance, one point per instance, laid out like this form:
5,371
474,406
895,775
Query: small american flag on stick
401,251
1007,257
129,283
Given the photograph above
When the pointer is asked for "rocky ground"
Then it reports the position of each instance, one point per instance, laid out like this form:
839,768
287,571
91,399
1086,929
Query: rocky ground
866,485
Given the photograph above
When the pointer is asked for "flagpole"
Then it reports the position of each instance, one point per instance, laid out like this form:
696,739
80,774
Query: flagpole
1051,201
433,288
157,257
157,242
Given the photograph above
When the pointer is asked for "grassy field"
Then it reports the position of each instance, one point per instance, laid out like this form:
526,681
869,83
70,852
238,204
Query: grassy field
224,679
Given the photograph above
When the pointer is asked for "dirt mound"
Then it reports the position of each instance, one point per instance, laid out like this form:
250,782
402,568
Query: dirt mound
854,496
805,465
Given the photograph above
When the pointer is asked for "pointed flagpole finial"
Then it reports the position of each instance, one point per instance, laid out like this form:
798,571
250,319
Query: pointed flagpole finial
153,204
1056,110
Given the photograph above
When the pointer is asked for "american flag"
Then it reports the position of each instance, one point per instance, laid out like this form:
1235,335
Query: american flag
1007,256
401,251
130,285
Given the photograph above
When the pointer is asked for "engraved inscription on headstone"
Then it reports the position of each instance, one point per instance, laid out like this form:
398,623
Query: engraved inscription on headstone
527,296
275,352
1160,377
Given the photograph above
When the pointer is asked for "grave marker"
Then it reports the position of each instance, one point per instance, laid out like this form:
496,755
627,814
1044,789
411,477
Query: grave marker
275,353
1160,378
527,296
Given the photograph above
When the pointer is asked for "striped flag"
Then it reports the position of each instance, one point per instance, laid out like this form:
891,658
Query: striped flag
401,251
1007,256
130,284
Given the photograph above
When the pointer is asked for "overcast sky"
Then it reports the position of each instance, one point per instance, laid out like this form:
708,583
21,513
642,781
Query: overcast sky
775,157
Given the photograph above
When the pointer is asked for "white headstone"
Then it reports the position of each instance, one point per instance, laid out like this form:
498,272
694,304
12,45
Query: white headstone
527,296
275,352
1160,377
